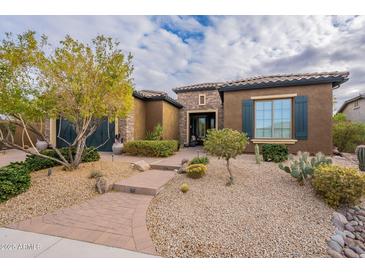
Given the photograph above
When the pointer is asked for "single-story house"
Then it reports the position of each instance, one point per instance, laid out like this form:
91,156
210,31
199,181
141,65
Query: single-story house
150,108
290,109
354,108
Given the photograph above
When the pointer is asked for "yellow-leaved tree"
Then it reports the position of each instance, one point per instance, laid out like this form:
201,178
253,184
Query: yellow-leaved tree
79,82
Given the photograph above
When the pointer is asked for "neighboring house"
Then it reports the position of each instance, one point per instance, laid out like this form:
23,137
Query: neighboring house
292,109
354,108
150,108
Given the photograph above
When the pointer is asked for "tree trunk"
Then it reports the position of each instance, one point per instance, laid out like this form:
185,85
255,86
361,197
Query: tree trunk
230,181
79,152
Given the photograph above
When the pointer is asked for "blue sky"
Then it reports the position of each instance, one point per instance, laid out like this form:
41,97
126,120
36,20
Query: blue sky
171,51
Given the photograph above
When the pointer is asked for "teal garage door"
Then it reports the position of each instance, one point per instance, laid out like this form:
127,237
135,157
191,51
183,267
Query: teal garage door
104,133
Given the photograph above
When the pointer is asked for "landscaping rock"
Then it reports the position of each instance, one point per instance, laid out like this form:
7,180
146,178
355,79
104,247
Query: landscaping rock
183,168
335,246
101,185
349,234
350,253
358,250
349,228
362,256
338,216
334,254
339,239
141,165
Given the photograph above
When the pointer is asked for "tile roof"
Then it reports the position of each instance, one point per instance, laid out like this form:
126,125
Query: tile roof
153,95
200,86
360,96
336,78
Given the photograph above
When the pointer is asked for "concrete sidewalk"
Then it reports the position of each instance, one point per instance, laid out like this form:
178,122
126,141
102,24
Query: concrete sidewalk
21,244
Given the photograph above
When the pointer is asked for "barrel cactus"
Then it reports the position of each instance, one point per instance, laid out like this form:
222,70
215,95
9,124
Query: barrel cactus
360,153
302,169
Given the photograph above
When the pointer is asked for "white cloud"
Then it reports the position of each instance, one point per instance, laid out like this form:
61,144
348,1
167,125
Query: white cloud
172,51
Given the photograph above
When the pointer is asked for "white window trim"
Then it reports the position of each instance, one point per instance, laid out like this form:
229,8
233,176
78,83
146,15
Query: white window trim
273,139
205,99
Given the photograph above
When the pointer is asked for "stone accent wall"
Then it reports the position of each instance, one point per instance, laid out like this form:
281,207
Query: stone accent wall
190,101
126,127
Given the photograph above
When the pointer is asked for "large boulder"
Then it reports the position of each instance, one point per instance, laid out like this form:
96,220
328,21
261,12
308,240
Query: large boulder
141,165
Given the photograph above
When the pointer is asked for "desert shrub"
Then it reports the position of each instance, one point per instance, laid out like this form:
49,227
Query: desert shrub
302,169
339,185
95,174
184,188
199,160
14,179
346,134
274,152
35,163
227,144
196,171
155,134
150,148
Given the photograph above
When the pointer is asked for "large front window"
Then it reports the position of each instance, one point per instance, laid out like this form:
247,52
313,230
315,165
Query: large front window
273,119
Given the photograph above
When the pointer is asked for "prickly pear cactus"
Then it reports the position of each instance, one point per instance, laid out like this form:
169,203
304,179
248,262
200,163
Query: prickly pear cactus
302,169
360,153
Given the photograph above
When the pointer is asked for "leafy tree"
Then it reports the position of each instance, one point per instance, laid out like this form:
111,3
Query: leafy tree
78,82
226,143
347,134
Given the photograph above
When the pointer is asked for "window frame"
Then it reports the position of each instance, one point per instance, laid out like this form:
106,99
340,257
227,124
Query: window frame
205,99
356,104
273,118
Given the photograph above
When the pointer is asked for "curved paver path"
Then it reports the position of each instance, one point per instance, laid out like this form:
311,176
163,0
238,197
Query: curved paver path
113,219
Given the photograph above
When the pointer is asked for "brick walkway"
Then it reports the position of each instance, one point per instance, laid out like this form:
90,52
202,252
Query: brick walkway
113,219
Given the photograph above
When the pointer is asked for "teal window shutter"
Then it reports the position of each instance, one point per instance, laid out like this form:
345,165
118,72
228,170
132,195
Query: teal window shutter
301,117
247,117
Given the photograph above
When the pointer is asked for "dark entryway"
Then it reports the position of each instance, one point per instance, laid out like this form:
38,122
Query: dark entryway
100,136
199,123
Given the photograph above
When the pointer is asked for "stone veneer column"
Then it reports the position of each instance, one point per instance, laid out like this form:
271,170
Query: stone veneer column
126,127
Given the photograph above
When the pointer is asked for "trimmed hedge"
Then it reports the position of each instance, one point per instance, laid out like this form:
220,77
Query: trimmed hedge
14,179
274,152
35,163
151,148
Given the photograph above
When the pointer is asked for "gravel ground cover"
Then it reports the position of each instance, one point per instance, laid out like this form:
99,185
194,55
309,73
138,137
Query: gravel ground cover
62,189
264,214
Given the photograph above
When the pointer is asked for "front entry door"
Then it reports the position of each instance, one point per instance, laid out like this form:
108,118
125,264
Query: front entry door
200,123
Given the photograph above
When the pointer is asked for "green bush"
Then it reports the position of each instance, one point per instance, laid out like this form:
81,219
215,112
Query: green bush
196,171
14,179
274,152
347,135
35,163
199,160
156,134
339,185
151,148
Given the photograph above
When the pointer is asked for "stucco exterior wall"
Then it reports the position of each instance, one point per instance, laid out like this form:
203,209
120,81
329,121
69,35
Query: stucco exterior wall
170,121
154,112
355,114
139,119
319,114
190,101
